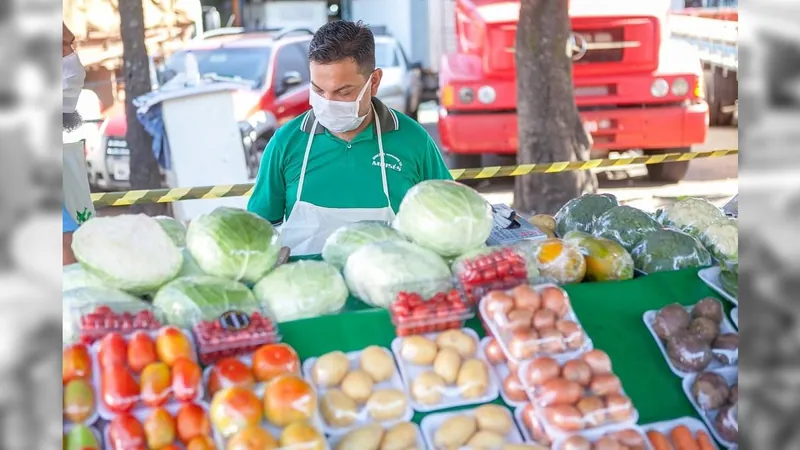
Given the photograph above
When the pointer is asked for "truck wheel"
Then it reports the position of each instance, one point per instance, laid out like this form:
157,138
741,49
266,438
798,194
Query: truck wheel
462,161
671,172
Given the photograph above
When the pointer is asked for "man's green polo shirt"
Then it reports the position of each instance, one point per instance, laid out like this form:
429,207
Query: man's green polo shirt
341,174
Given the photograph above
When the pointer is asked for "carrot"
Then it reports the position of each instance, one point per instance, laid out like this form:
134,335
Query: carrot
683,438
704,441
658,440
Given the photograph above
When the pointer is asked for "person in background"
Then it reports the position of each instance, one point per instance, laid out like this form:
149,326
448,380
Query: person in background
351,158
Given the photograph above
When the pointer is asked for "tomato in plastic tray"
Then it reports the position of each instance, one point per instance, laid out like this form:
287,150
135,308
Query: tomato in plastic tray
79,396
102,319
233,333
502,269
177,426
413,314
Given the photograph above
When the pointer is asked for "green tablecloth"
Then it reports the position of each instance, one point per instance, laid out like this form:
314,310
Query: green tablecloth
610,312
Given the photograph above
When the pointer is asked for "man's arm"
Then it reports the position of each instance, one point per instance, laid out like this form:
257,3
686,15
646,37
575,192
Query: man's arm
433,166
269,193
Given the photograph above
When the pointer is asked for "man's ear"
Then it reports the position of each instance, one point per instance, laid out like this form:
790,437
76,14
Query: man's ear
376,81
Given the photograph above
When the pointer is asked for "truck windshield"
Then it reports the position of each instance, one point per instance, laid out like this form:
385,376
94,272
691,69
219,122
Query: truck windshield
385,55
249,64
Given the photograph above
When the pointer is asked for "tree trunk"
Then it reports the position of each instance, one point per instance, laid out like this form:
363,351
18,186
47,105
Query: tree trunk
144,173
550,128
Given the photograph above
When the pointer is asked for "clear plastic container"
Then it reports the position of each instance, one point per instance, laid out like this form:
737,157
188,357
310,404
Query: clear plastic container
531,426
444,370
79,393
358,388
511,389
191,422
709,408
494,268
735,316
233,333
531,321
419,310
145,370
404,435
93,320
487,426
664,429
624,436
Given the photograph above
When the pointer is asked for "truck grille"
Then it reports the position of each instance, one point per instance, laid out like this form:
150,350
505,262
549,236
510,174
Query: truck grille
599,46
614,44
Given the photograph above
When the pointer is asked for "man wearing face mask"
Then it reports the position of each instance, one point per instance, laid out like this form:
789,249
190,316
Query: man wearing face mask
351,158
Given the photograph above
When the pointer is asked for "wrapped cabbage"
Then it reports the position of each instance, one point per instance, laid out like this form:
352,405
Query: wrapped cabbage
626,225
186,301
301,290
74,276
579,214
349,238
128,252
669,249
444,216
82,301
606,260
233,243
376,273
559,260
190,266
175,230
692,215
721,238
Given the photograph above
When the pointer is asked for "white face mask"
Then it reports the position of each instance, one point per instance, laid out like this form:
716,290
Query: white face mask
73,76
336,116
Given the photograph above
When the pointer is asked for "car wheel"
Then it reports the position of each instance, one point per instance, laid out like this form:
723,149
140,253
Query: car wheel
671,172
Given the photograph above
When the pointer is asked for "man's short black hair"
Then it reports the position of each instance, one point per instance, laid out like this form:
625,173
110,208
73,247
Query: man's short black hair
343,39
71,121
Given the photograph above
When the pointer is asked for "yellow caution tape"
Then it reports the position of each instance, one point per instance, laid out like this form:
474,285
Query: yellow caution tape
244,190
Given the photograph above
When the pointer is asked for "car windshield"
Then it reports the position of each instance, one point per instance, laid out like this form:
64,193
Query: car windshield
249,64
385,56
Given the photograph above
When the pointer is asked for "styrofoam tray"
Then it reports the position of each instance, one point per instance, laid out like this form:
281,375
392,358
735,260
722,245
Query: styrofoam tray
67,424
666,426
731,375
725,327
501,371
433,422
503,336
526,435
735,316
451,397
363,414
106,413
334,440
595,434
142,414
710,276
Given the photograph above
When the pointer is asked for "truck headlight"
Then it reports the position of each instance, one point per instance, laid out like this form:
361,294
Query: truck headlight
659,88
466,95
486,95
680,87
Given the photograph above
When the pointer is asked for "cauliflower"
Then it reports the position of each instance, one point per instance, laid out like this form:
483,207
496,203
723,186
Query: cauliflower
721,238
691,215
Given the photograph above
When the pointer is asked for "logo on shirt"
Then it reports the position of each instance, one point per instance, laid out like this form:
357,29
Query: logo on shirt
390,161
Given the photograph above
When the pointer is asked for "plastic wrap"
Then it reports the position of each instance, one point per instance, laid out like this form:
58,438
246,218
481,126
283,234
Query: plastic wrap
606,260
531,425
534,321
487,426
625,225
79,396
92,312
411,313
692,215
402,436
444,216
511,388
722,420
74,276
496,268
251,371
349,238
233,243
176,424
301,290
377,273
669,249
626,437
725,283
443,370
560,261
81,437
662,432
721,238
173,228
579,214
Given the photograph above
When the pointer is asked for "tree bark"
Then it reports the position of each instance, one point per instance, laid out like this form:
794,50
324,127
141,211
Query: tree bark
144,171
550,128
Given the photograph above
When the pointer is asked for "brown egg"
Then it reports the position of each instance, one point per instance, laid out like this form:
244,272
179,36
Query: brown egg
558,391
498,302
607,443
544,318
553,298
525,297
541,370
523,344
551,341
494,353
598,360
592,410
577,443
577,370
572,333
605,384
513,389
564,417
518,319
619,407
630,438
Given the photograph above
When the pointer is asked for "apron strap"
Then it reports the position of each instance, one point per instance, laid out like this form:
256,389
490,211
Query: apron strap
383,161
305,160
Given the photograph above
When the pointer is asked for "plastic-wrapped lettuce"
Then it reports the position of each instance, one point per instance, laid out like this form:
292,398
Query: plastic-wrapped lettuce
626,225
692,215
606,260
233,243
187,300
128,252
74,276
580,213
349,238
301,290
175,229
82,300
721,238
669,249
444,216
376,273
190,266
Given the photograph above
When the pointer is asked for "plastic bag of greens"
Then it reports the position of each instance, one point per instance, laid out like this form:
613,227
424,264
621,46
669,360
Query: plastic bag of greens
90,313
692,215
721,238
626,225
175,229
606,260
349,238
670,249
580,213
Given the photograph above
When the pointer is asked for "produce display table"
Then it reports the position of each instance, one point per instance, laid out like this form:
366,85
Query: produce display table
610,312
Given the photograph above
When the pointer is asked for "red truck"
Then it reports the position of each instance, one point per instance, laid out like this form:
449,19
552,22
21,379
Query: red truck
635,87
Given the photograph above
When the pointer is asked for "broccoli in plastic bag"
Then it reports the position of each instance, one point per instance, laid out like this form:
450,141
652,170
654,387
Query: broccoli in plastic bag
692,215
605,259
579,214
721,238
626,225
670,249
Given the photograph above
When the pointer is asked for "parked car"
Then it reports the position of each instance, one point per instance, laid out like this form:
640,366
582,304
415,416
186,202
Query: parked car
401,86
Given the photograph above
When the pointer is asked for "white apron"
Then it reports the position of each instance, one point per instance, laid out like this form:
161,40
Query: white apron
77,195
309,225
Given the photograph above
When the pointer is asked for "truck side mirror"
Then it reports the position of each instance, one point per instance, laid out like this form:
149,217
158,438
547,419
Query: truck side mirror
416,65
290,79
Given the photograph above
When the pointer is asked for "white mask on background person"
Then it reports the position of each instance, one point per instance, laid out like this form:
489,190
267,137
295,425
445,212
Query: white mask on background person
73,76
337,116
